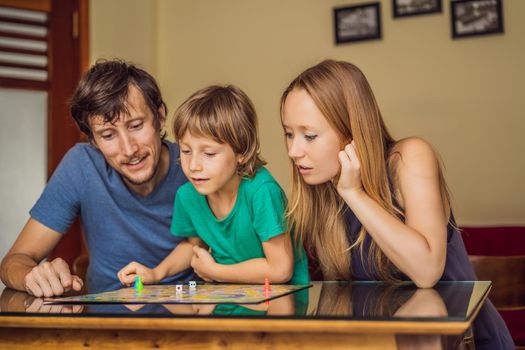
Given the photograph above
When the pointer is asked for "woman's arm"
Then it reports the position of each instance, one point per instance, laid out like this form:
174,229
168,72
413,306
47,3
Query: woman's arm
277,266
418,246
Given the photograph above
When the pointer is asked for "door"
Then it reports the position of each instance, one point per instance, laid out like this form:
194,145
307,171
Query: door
43,52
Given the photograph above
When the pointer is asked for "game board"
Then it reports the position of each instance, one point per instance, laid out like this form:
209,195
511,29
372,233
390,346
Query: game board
202,294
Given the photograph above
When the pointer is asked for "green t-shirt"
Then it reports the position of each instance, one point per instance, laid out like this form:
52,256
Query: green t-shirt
257,216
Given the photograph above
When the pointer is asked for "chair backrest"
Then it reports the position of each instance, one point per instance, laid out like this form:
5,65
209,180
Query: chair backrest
494,240
80,266
498,255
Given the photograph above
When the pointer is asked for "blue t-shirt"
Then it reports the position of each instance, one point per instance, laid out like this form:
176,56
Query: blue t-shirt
119,225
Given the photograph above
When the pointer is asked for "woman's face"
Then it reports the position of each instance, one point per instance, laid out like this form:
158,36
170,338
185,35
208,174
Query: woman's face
313,145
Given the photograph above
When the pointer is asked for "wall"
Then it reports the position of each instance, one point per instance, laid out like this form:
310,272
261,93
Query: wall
23,159
462,95
124,29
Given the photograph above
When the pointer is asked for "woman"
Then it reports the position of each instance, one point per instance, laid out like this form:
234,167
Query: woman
368,206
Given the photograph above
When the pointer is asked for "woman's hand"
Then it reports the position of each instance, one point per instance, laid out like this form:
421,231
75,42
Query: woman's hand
203,263
350,177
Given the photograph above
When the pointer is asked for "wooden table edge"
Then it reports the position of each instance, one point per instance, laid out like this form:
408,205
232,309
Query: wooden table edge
238,325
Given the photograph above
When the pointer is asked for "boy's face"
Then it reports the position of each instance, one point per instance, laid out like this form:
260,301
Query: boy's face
210,166
132,145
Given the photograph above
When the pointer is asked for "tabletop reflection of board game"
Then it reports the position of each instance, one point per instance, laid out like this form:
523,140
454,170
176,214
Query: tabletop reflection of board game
201,294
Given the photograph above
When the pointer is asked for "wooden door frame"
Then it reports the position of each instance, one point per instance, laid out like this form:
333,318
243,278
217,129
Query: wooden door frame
65,36
68,58
62,130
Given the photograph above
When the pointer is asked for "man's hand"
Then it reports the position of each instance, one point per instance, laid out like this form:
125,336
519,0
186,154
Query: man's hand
203,263
129,272
51,279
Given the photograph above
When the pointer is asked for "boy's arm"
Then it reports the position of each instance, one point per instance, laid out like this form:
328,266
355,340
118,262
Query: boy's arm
277,266
178,260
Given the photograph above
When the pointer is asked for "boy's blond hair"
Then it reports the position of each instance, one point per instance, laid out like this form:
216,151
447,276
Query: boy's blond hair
225,114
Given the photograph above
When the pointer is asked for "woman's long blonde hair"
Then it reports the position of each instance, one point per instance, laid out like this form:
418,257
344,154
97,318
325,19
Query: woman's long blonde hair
315,213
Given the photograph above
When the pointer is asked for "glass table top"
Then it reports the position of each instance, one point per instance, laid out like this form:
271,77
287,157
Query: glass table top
446,302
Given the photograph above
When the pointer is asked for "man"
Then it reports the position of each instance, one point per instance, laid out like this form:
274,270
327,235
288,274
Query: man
122,185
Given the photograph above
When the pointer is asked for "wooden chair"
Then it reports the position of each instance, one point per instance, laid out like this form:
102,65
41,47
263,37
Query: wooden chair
498,255
80,266
507,274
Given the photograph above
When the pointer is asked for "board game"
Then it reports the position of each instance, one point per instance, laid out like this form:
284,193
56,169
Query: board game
201,294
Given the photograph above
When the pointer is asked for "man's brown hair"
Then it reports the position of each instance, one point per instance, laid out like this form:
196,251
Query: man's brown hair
103,91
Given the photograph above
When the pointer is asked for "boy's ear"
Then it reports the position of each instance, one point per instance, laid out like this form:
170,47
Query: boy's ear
240,159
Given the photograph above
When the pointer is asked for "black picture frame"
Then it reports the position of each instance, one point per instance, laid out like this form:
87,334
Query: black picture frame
407,8
476,17
357,23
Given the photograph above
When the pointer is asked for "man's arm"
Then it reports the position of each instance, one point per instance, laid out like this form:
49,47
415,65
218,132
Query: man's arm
20,270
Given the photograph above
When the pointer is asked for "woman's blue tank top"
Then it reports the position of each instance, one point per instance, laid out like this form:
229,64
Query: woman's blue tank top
457,266
490,331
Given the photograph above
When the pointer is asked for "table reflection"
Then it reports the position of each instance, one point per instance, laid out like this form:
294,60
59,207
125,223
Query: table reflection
367,300
12,301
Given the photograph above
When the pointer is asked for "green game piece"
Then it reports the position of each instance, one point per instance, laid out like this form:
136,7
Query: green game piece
138,284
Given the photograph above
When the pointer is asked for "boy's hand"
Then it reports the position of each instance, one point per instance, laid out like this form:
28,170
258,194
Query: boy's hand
128,274
203,263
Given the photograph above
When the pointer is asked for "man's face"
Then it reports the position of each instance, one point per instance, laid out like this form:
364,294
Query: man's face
132,145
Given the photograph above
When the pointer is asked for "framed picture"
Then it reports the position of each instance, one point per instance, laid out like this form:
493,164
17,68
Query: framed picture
357,23
476,17
403,8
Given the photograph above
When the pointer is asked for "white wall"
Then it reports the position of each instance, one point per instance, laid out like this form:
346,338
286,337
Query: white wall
124,29
464,96
23,158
